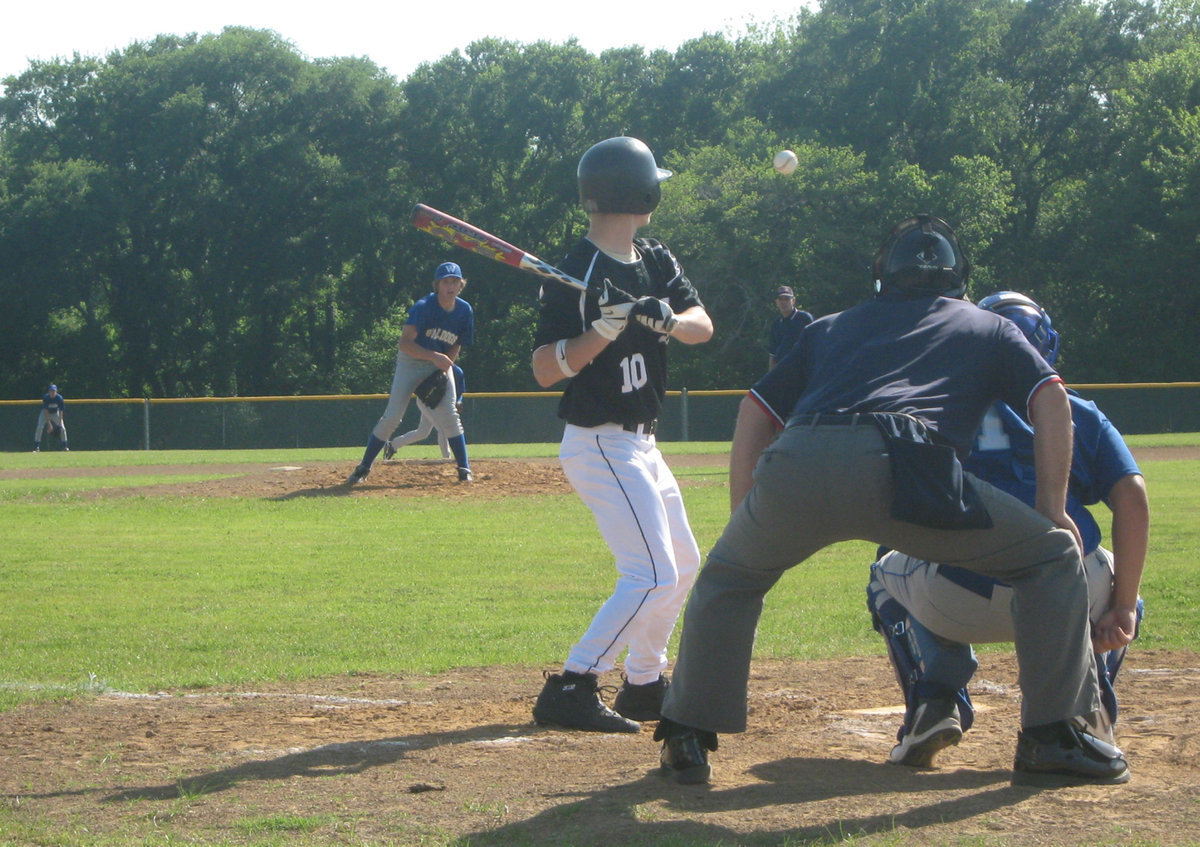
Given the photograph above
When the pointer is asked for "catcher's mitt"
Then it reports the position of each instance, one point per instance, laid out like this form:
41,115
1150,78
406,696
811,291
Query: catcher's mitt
432,389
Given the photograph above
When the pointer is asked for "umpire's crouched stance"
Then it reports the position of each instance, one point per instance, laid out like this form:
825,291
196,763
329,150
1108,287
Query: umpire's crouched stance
879,402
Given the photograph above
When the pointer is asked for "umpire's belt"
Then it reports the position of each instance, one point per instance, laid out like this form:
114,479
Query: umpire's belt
823,419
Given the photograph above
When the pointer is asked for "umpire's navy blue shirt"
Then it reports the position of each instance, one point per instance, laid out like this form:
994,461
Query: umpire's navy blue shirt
942,360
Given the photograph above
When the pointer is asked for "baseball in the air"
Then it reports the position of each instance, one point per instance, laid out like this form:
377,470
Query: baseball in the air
785,162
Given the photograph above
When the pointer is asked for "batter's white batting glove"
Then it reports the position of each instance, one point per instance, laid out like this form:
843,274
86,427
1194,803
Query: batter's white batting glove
654,314
615,306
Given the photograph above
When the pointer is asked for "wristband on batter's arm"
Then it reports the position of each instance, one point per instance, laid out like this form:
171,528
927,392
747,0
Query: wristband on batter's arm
560,356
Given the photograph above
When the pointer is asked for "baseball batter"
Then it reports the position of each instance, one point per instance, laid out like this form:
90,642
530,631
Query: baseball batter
50,419
427,425
611,344
439,325
877,404
929,613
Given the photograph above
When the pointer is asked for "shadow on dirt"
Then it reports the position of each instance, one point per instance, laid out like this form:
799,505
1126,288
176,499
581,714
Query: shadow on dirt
816,788
338,759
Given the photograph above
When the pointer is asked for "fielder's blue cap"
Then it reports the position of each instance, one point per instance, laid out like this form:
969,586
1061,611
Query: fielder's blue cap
446,269
53,387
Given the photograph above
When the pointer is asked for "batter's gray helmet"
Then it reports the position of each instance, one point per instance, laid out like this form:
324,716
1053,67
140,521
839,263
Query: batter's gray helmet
921,258
619,175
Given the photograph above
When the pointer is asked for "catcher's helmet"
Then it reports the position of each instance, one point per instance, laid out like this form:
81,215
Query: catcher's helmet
619,175
1029,317
920,258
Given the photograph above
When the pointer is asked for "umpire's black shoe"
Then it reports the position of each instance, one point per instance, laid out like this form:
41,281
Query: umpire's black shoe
1060,754
935,727
572,700
642,702
684,758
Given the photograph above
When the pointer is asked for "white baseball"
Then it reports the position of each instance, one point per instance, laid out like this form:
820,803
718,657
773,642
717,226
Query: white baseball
785,162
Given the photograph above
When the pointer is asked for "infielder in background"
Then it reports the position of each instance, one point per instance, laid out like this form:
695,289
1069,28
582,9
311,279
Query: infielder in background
50,419
611,343
439,325
877,404
427,425
929,613
786,328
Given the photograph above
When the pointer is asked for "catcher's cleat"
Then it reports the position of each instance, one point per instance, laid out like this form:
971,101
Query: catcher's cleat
642,702
1060,754
684,758
465,475
358,475
935,727
388,450
572,700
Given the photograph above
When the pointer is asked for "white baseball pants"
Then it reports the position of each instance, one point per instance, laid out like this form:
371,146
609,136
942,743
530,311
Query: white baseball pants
622,477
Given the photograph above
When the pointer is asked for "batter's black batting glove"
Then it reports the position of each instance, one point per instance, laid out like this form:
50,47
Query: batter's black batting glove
654,314
615,306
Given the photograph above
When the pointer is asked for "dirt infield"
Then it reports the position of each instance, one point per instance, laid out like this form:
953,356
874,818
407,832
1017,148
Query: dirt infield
455,759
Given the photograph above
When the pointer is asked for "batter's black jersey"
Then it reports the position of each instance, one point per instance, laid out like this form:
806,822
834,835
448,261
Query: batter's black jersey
627,382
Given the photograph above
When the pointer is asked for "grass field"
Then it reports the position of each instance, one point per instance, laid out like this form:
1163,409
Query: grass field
145,593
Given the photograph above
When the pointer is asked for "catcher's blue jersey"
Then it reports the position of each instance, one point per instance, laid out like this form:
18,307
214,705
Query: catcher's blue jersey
439,330
1003,456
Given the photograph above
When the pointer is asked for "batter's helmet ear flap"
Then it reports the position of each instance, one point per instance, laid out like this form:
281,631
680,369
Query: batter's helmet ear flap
921,257
619,175
1029,317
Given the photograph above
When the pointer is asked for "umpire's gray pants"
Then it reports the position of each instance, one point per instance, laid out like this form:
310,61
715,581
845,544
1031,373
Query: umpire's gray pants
815,486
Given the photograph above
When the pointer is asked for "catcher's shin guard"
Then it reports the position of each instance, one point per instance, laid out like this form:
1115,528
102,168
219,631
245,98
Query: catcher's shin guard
912,650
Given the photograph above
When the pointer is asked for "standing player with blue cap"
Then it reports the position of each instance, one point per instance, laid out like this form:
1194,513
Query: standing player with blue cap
439,325
50,419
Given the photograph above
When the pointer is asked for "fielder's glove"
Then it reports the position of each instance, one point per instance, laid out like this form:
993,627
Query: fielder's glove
654,314
432,389
615,306
56,430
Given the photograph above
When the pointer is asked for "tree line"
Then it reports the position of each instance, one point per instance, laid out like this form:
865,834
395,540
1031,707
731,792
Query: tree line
220,215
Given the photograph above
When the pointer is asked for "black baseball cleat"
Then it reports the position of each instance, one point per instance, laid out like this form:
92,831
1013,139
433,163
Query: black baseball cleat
1059,754
642,702
465,475
572,700
358,475
935,727
684,758
388,450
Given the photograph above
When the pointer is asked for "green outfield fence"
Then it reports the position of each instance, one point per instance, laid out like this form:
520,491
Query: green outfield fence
220,423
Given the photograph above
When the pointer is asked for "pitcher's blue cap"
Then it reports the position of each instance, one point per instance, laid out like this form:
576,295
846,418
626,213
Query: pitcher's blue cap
446,269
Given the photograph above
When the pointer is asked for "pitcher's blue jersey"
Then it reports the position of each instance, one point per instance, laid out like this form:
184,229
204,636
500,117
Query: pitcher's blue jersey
439,330
1003,456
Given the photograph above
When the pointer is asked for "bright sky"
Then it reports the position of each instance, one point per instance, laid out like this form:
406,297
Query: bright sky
397,34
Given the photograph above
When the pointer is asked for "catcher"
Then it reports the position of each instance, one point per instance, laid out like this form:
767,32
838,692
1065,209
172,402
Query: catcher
928,612
50,419
438,326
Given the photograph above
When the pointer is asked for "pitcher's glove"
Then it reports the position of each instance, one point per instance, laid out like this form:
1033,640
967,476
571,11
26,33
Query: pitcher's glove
615,306
432,389
654,314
